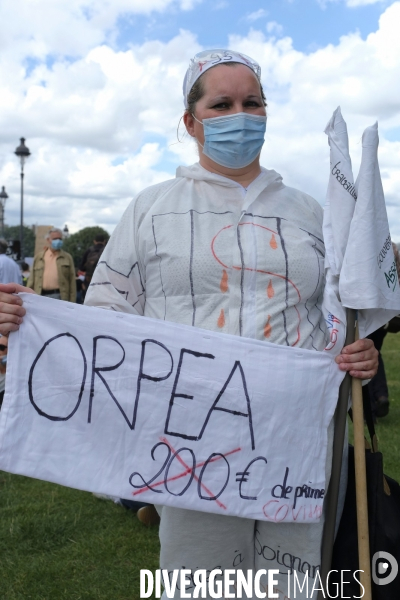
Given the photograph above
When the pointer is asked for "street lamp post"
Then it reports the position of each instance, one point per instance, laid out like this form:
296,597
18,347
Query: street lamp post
3,198
22,152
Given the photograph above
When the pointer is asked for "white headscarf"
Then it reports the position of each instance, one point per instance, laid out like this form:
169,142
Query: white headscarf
207,59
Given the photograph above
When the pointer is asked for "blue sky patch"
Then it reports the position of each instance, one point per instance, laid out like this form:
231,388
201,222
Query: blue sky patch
310,25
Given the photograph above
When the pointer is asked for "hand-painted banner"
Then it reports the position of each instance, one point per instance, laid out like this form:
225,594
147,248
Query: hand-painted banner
169,414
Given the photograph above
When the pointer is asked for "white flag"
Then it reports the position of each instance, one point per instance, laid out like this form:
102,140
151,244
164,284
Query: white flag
338,212
341,195
359,262
368,278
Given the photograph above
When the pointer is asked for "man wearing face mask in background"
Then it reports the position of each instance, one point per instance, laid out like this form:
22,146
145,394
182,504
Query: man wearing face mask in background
53,270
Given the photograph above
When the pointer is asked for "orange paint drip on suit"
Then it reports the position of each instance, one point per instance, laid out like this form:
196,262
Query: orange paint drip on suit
270,290
273,243
224,282
221,319
267,328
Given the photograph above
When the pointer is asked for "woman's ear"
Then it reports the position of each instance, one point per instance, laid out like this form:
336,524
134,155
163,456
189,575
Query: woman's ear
188,119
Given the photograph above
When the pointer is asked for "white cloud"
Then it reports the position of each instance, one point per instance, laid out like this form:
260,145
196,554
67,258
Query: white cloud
351,3
261,13
274,27
69,27
220,5
355,3
188,4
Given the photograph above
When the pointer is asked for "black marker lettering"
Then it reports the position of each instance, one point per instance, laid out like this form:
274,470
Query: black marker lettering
236,413
174,394
284,488
143,375
199,484
307,492
190,470
246,473
340,177
32,369
97,371
147,483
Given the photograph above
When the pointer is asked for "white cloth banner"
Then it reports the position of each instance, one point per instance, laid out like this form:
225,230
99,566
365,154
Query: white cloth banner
154,411
360,267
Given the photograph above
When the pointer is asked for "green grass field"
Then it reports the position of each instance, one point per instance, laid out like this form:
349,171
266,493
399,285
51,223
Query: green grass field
388,429
62,544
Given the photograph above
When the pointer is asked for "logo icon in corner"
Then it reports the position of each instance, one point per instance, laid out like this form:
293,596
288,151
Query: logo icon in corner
384,568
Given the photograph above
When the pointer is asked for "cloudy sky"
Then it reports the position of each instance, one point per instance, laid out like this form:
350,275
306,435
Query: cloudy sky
95,88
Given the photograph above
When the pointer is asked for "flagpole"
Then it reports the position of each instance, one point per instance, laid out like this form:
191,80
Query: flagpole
361,486
331,499
360,474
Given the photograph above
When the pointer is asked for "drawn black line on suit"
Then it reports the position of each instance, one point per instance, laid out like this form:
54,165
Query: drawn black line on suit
313,235
241,281
159,265
317,302
117,285
244,268
278,228
315,305
122,292
191,212
191,266
316,250
136,264
127,275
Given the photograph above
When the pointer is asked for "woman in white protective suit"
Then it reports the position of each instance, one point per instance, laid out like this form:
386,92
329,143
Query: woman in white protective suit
224,246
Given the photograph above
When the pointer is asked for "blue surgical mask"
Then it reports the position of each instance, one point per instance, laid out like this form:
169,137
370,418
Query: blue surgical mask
234,141
56,244
3,360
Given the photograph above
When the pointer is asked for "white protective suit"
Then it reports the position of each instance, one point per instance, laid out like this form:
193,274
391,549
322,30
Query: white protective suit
201,250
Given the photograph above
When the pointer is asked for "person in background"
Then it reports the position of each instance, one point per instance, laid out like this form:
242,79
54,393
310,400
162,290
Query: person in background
25,273
3,365
79,281
146,513
396,259
90,259
377,388
9,270
53,270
